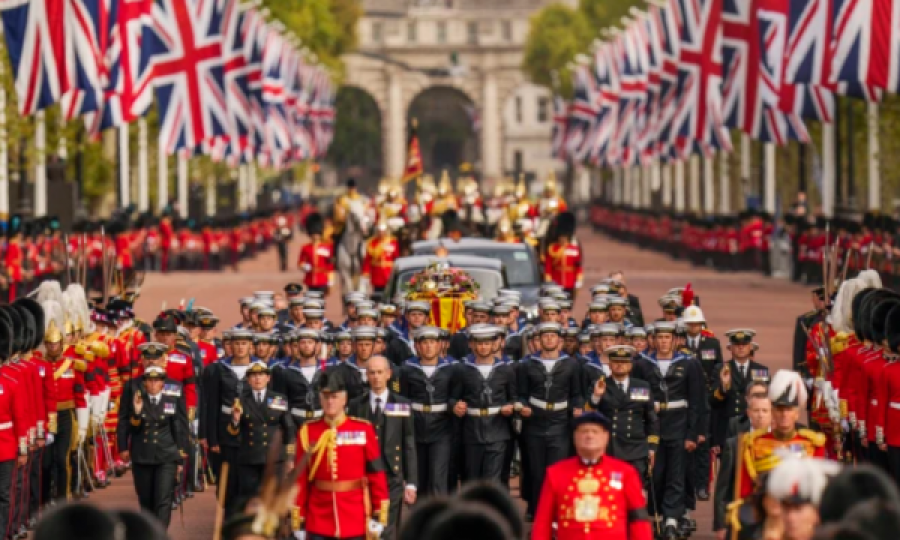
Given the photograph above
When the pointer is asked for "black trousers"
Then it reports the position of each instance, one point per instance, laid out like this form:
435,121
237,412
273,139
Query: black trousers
249,478
282,256
697,474
485,461
155,485
434,467
396,490
20,495
543,451
508,460
229,455
61,455
876,457
668,478
39,483
641,465
6,480
893,457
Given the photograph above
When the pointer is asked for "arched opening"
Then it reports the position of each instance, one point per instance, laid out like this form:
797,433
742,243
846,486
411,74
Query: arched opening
356,148
448,125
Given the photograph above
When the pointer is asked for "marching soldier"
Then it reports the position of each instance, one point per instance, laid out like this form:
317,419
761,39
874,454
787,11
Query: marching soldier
628,403
346,495
758,451
391,416
316,259
563,263
256,418
353,370
297,378
679,391
378,261
426,380
156,441
592,495
549,388
284,232
14,426
730,380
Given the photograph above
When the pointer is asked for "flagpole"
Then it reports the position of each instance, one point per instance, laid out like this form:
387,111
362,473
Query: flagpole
143,171
770,177
4,152
40,169
251,186
745,160
162,176
210,196
724,185
679,186
124,166
874,166
828,168
709,201
667,185
183,183
695,182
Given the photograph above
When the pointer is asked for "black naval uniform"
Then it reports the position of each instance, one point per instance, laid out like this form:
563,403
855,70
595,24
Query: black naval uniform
486,433
730,403
708,351
259,424
681,397
353,375
396,435
635,430
301,393
158,440
551,395
432,405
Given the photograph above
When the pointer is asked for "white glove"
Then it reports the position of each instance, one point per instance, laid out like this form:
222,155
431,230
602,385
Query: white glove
82,435
375,527
809,383
578,284
49,438
306,267
97,411
845,426
364,284
106,401
195,426
300,535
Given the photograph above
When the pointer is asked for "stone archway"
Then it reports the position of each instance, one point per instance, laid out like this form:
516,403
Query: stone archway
447,120
357,147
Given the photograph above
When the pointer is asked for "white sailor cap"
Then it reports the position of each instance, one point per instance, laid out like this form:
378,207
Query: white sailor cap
418,305
501,309
267,311
508,301
246,300
265,338
617,301
427,332
264,295
364,304
480,307
565,304
365,332
600,288
636,331
664,327
354,296
549,328
241,334
297,301
307,333
481,332
368,312
257,305
313,303
606,329
341,335
598,306
315,294
548,304
584,337
510,292
549,289
313,313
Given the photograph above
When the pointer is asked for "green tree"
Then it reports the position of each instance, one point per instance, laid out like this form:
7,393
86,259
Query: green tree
602,14
557,35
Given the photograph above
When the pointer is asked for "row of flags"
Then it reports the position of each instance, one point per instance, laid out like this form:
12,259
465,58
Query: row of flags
227,82
680,76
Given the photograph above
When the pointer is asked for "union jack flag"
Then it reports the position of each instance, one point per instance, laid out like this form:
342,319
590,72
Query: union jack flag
865,53
188,70
697,117
583,114
323,114
606,79
560,123
631,53
808,91
241,27
666,28
274,96
53,49
753,40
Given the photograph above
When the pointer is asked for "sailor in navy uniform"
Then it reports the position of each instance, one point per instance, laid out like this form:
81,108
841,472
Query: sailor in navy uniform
256,418
245,323
730,380
477,312
294,294
401,347
618,311
596,366
628,403
426,380
343,346
353,370
314,317
297,379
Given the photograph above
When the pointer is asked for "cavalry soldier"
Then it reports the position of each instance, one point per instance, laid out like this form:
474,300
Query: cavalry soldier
549,388
628,402
563,263
342,209
156,441
446,199
297,378
487,385
679,390
345,495
505,232
551,203
256,418
316,259
378,261
426,381
393,210
758,451
592,495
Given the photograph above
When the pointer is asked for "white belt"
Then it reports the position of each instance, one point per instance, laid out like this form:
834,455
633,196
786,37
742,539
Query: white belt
421,407
489,411
894,405
541,404
672,405
6,425
306,414
874,402
226,410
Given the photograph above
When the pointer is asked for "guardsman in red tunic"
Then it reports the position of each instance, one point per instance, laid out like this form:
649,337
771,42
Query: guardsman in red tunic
758,451
592,495
342,490
166,239
562,265
317,257
381,252
14,429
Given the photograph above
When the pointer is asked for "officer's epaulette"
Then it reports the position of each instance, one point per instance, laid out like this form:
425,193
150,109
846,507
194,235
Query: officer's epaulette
810,314
817,438
363,420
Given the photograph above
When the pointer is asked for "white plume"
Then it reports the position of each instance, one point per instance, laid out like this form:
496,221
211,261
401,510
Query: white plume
48,290
53,311
840,317
870,278
802,477
790,382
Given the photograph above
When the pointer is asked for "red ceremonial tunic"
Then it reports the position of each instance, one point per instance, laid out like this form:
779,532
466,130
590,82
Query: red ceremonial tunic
13,416
320,258
345,461
563,264
604,500
379,260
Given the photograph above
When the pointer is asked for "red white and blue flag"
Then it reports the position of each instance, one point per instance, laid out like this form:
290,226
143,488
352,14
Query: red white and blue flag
865,47
560,125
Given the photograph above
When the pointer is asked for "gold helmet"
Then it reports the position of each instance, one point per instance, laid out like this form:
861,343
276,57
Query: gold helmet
521,190
54,321
550,184
446,186
383,187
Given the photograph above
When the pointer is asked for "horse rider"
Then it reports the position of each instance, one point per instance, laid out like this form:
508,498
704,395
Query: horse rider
549,206
446,199
505,232
343,208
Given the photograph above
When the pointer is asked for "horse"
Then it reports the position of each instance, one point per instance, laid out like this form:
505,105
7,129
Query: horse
350,247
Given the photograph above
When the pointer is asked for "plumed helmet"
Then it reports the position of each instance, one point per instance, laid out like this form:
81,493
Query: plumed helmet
801,479
840,315
54,321
787,389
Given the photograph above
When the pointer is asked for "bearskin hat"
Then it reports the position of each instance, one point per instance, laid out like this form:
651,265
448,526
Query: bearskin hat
856,311
892,329
565,224
315,224
877,314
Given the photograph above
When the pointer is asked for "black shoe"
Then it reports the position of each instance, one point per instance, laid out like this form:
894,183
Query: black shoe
670,533
703,495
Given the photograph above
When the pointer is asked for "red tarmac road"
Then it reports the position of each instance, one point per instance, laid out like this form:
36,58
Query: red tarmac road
728,300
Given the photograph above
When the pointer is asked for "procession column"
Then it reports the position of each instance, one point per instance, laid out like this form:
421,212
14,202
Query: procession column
874,166
490,136
40,169
695,183
396,126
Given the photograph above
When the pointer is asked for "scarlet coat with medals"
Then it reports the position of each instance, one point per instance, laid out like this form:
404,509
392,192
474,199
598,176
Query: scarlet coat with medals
381,252
758,453
604,500
563,264
343,484
320,258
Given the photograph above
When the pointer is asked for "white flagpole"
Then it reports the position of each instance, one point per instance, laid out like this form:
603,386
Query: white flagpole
242,187
724,185
770,177
162,176
124,165
679,186
709,200
828,169
183,184
695,183
4,153
143,168
40,169
251,201
667,185
874,166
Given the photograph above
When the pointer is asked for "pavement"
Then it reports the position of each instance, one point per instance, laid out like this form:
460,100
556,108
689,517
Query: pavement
729,300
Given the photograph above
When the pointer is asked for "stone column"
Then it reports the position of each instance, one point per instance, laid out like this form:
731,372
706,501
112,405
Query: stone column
679,186
242,187
667,185
769,149
124,165
40,168
874,167
828,168
183,184
396,126
724,185
709,201
491,167
143,170
695,183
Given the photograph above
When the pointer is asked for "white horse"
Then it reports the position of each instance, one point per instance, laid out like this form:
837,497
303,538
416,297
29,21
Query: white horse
349,251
